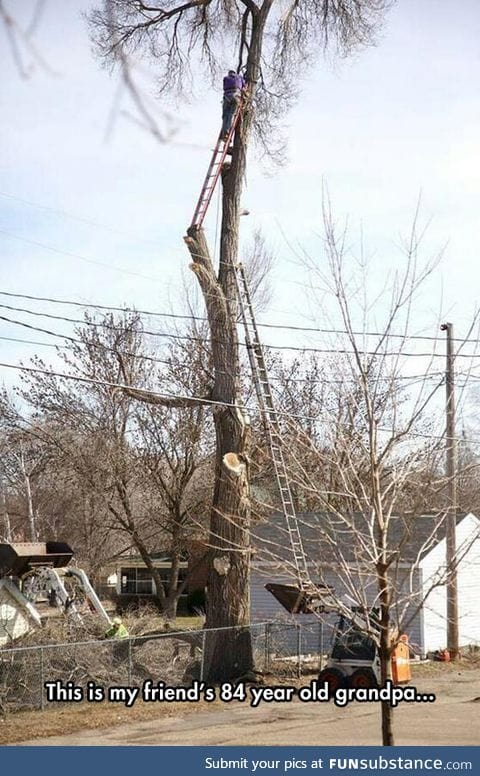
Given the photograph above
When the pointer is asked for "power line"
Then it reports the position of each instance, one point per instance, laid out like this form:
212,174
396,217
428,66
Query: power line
303,349
172,315
96,345
184,398
146,391
264,325
180,316
80,219
78,256
286,380
102,307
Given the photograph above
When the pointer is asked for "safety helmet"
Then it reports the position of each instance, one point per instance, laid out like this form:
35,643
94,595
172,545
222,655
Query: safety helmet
117,621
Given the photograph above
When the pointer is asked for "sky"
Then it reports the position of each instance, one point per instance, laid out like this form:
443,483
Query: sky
95,211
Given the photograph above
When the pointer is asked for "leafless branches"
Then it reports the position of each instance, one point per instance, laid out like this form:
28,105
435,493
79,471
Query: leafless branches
273,45
21,41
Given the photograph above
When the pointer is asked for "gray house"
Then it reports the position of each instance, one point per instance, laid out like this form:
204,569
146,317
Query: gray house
338,555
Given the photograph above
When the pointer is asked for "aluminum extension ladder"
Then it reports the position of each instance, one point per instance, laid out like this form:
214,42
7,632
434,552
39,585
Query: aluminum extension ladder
270,417
214,169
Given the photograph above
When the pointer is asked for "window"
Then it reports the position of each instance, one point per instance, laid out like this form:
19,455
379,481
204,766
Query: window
136,582
351,643
144,582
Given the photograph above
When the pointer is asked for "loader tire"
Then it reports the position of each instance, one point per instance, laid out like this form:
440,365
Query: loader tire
334,678
363,678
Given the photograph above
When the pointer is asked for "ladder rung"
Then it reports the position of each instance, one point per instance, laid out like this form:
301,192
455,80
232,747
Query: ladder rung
271,421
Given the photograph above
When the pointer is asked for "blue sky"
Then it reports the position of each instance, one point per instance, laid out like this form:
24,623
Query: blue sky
396,120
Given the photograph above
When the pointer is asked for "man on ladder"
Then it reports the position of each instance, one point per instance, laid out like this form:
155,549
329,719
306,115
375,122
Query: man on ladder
233,85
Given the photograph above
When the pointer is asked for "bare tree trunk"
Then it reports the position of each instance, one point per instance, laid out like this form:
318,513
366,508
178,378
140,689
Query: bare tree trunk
6,516
28,490
171,601
229,654
385,654
155,573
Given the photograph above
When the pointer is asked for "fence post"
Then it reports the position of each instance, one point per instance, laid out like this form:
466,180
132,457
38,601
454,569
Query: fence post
42,681
202,659
129,680
267,646
299,650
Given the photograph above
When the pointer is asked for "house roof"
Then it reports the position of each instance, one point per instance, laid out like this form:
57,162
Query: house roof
327,537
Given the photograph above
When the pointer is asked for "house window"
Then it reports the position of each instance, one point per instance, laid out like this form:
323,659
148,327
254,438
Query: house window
136,582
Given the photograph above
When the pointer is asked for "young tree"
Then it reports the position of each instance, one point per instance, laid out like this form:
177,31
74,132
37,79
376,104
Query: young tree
272,46
358,473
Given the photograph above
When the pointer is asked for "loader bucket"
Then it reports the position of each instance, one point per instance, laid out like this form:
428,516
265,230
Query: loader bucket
19,557
298,601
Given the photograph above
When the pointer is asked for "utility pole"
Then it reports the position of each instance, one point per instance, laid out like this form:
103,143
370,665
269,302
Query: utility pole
451,513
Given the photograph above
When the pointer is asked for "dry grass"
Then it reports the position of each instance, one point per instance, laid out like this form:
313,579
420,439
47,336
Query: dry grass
468,660
57,629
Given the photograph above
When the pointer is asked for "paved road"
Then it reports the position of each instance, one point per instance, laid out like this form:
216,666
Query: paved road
454,718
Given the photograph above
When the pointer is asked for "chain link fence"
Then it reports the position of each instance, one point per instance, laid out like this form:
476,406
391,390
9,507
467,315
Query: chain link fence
281,649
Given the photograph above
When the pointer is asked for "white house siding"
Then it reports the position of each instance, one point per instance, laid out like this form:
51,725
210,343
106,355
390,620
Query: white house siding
468,575
316,631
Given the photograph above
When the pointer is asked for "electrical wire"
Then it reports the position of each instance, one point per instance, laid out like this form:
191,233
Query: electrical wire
172,315
180,316
79,219
293,348
414,379
184,398
79,256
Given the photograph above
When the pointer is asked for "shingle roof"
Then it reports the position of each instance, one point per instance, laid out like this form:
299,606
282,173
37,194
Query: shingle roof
327,536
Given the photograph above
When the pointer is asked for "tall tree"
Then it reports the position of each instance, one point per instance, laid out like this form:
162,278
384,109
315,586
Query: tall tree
272,45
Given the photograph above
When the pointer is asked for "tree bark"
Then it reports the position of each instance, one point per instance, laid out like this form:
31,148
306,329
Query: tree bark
385,654
229,652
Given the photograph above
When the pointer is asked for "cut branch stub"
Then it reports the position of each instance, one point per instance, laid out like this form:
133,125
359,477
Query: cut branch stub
234,463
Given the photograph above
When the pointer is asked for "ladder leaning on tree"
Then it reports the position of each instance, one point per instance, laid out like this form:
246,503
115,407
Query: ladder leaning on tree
220,152
307,596
272,425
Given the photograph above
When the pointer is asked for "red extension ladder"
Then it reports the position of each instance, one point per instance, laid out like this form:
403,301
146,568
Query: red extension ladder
215,167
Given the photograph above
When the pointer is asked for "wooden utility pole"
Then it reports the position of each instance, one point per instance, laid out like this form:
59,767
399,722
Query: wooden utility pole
451,515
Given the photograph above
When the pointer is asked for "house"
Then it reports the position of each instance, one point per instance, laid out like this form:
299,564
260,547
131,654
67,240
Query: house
468,582
128,580
418,543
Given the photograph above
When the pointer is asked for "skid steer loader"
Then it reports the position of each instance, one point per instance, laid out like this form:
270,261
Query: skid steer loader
353,660
36,572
